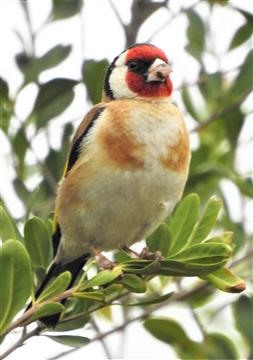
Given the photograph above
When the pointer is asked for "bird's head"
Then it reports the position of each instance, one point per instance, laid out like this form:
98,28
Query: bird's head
141,71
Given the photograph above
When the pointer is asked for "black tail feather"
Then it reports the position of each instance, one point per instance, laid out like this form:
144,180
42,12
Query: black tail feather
55,269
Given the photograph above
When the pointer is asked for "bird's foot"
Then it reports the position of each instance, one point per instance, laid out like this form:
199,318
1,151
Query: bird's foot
103,262
145,254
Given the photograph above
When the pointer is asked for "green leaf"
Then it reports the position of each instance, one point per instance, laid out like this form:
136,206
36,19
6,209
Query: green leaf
195,34
8,229
170,332
189,103
102,278
38,242
47,310
58,286
219,346
121,256
53,57
53,98
226,280
15,280
93,76
203,253
183,221
242,34
6,105
242,309
134,283
159,240
225,238
67,325
20,144
92,295
152,301
65,8
69,340
207,221
242,84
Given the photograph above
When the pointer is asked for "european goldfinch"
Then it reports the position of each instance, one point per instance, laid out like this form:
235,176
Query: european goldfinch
127,165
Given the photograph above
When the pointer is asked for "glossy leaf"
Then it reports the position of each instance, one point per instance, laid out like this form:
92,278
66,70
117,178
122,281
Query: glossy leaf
70,340
53,98
243,309
102,278
159,240
56,287
47,310
207,221
93,76
203,252
134,283
242,34
15,280
8,229
226,280
38,242
183,222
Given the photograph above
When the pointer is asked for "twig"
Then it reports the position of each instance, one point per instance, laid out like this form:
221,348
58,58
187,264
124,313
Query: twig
102,340
20,342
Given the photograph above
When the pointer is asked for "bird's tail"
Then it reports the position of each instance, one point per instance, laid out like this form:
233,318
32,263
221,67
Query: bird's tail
74,267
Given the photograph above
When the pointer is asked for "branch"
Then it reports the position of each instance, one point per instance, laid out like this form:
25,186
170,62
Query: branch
21,341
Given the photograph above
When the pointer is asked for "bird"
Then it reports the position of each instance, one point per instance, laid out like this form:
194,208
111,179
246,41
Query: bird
127,165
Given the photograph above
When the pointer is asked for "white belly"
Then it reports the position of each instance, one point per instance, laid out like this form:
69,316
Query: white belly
115,206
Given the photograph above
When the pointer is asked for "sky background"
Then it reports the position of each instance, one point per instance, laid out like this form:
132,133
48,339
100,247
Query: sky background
97,34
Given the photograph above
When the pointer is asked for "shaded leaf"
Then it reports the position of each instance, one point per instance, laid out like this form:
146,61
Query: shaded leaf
226,280
92,295
189,103
219,346
133,283
170,332
243,309
6,105
207,221
53,57
65,8
20,144
47,310
121,256
195,34
56,287
183,221
15,280
38,242
93,76
67,325
152,301
53,98
69,340
159,240
8,229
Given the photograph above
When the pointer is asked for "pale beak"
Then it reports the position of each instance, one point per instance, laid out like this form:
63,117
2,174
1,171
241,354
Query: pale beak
158,71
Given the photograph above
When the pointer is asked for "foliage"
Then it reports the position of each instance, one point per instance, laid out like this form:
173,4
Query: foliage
198,240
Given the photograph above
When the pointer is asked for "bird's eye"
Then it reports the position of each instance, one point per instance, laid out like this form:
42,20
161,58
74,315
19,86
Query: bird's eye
133,65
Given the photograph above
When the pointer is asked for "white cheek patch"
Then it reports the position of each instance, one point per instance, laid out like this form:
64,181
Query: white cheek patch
117,80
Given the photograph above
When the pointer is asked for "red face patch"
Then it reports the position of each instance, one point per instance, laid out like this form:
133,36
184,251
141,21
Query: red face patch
137,83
